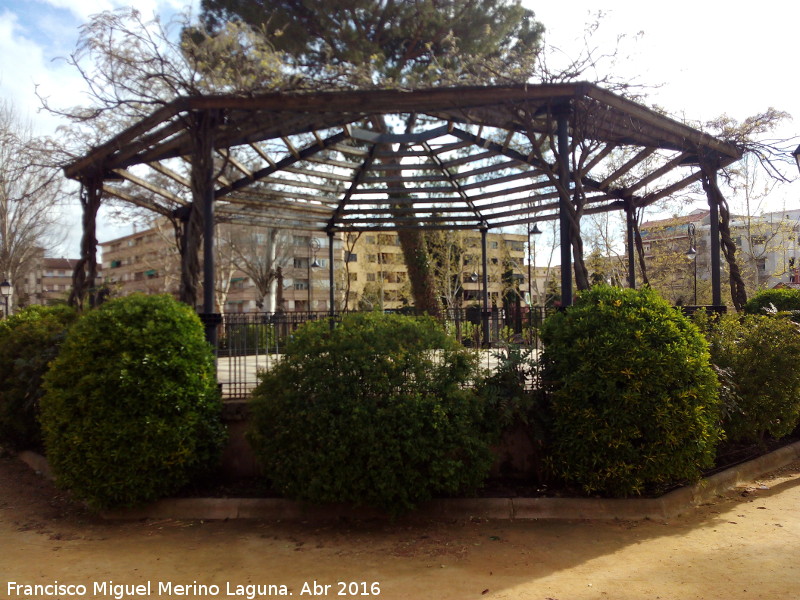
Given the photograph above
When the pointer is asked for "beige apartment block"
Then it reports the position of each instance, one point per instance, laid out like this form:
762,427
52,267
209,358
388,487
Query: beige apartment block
148,262
48,282
376,274
369,269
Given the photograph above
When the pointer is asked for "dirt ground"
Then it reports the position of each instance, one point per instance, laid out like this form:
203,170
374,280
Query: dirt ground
745,545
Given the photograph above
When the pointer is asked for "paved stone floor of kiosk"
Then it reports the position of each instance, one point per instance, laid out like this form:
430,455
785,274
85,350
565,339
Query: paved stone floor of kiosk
744,543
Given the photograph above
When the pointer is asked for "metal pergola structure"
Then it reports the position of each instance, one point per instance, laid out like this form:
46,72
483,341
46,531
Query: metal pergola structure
477,158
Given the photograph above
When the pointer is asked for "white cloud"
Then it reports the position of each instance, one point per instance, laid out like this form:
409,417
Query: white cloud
26,67
83,9
711,58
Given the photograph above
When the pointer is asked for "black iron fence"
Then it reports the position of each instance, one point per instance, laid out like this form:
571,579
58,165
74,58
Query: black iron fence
248,343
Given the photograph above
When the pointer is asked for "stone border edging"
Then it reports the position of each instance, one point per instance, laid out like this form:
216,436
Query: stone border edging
667,506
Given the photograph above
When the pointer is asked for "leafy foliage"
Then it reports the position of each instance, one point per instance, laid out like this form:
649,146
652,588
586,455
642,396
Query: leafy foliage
783,300
632,397
29,340
371,412
761,353
506,389
392,43
131,410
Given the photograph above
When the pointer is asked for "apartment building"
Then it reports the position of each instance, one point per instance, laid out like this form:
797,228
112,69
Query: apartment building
48,282
369,268
767,252
376,275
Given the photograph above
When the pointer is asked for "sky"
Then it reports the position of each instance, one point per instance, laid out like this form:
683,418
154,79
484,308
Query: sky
698,59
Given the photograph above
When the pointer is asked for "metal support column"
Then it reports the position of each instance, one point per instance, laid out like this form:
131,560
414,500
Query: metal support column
716,267
562,116
630,213
211,318
485,314
331,286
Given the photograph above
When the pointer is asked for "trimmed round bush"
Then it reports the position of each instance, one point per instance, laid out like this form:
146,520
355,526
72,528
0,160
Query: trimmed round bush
632,402
131,410
372,412
762,355
29,340
784,300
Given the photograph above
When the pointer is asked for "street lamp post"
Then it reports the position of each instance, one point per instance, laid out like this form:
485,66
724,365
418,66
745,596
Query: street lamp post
6,289
692,254
313,245
531,257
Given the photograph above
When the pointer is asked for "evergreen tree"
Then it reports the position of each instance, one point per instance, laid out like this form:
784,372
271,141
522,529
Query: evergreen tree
388,43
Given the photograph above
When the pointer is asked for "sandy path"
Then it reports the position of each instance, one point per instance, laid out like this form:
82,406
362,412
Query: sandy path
744,545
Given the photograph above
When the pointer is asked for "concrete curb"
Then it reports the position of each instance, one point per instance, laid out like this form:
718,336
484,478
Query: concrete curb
667,506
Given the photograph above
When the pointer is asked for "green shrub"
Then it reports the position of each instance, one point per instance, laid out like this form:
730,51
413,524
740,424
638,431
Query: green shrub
131,410
632,397
506,391
29,340
372,412
784,300
247,338
762,355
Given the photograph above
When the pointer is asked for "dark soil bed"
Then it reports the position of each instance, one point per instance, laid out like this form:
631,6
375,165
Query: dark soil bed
729,456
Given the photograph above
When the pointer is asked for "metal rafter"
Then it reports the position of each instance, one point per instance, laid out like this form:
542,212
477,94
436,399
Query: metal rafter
322,177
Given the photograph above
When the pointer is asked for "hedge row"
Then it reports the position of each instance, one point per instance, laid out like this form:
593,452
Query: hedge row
126,396
388,410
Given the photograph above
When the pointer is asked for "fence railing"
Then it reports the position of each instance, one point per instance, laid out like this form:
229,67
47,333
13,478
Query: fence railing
248,343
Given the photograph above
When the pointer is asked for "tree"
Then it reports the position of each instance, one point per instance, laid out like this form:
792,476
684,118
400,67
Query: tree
368,43
30,187
389,43
131,68
261,253
451,254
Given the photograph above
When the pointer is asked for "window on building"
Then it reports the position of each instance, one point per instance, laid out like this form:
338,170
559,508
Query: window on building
351,257
373,258
758,240
300,262
371,277
353,276
517,246
761,265
493,245
301,240
387,239
301,284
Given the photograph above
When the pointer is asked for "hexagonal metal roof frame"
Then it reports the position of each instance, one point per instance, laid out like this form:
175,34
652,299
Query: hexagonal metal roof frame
477,157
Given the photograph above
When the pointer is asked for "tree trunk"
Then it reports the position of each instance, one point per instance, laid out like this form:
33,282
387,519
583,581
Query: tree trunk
637,236
85,274
420,271
192,238
738,290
